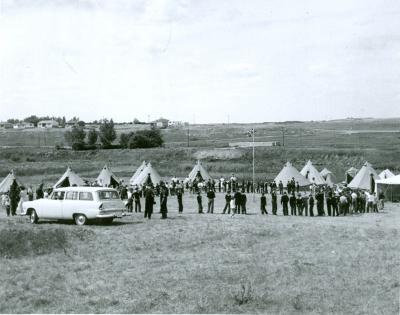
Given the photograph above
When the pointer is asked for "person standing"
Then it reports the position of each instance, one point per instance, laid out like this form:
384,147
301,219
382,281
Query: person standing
329,203
343,204
149,202
280,187
335,210
30,193
179,196
7,204
233,205
292,203
163,200
211,197
299,204
284,203
199,202
237,201
274,202
311,203
129,204
243,200
23,196
354,202
14,197
297,187
227,207
136,196
305,203
320,203
39,192
263,206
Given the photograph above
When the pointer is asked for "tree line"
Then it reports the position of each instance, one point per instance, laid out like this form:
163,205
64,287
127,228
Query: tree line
105,137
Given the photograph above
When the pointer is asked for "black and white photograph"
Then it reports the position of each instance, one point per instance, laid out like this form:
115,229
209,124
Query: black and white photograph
199,157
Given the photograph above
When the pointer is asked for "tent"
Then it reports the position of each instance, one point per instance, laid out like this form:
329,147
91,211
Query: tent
6,183
199,173
107,178
312,174
328,176
350,173
390,188
386,174
147,176
137,172
365,178
288,172
70,178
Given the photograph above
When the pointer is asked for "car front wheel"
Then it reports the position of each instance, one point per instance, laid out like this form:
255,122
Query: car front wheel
33,217
80,219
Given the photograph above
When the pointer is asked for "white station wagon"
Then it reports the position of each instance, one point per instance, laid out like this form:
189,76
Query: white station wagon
77,203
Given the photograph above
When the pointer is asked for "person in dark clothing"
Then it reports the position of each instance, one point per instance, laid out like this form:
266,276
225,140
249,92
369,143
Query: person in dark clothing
149,202
311,203
280,187
179,196
238,199
297,187
211,197
320,203
163,201
299,204
284,203
129,204
263,206
274,202
335,209
292,203
200,202
228,198
124,193
14,197
39,192
329,204
136,197
243,200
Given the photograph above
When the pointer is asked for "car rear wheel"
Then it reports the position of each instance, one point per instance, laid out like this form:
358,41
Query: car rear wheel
33,218
80,219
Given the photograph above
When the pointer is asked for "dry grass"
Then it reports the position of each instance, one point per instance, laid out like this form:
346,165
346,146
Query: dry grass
194,263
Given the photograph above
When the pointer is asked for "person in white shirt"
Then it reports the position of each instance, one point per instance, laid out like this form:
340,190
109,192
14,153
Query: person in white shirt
370,202
354,198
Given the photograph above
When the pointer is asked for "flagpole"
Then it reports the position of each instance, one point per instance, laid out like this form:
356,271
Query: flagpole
254,196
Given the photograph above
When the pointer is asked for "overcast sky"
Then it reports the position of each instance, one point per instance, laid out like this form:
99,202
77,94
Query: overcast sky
200,60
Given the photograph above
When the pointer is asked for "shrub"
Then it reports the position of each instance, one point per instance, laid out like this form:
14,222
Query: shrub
75,137
107,132
92,136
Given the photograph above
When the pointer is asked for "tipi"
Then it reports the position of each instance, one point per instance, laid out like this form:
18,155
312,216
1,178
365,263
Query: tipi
199,173
312,174
70,178
386,174
330,179
350,173
6,182
107,178
148,176
137,172
365,178
288,172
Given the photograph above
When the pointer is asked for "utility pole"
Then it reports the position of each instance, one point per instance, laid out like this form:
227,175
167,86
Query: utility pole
283,136
188,136
254,196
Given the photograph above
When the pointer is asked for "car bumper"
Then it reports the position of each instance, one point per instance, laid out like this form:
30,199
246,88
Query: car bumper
109,215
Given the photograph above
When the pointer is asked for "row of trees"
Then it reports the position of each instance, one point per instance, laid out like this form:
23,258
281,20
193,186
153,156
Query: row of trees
79,139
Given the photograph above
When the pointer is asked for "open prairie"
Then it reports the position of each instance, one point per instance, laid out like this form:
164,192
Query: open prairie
336,145
203,263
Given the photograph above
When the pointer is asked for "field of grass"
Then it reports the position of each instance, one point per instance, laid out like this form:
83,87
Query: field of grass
194,263
337,145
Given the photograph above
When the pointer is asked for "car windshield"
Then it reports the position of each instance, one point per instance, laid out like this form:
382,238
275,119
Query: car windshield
108,195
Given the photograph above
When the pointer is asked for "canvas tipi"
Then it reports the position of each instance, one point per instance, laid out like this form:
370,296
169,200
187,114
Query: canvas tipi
148,176
288,172
312,174
6,183
70,178
365,178
386,174
390,187
330,179
107,178
137,172
350,173
325,172
199,174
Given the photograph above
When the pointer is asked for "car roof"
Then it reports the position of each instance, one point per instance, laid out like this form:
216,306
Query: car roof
84,188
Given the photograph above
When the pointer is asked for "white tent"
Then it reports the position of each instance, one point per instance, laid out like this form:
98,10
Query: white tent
137,172
350,173
330,179
390,188
148,174
107,178
312,174
365,178
70,178
199,173
325,172
386,174
6,183
288,172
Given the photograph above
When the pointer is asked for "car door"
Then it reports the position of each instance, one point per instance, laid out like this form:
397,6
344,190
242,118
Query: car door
70,204
52,207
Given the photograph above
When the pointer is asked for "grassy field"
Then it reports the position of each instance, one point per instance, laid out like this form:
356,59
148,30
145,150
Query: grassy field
193,263
337,145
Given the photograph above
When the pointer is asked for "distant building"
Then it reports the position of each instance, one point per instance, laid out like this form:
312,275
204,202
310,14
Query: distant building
176,123
6,125
161,123
24,125
47,124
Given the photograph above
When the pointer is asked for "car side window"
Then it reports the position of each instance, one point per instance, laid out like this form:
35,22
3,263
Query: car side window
58,195
71,195
84,195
